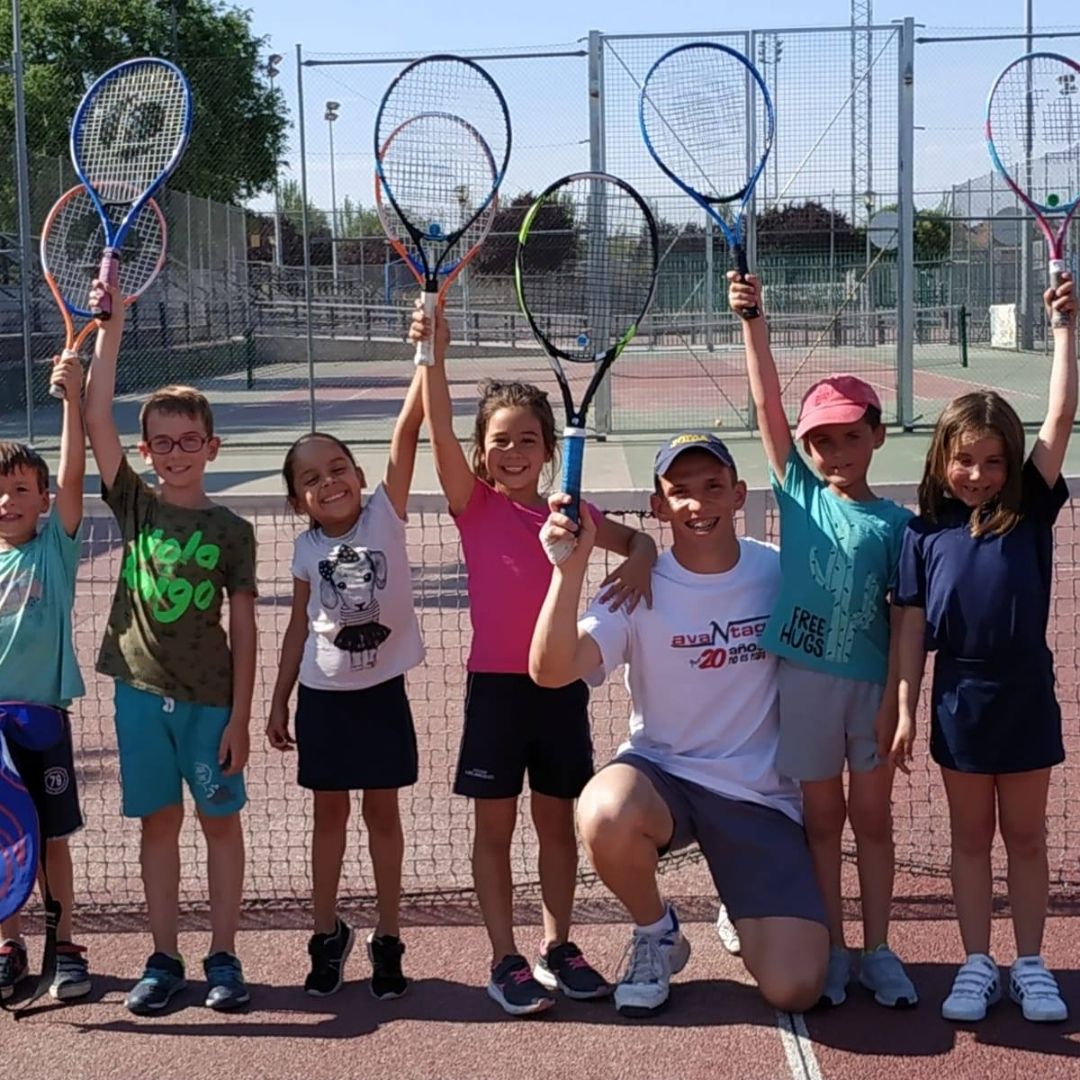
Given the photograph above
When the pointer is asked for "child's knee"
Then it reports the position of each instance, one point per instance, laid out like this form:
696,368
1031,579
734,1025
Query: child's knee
332,809
1025,842
381,815
220,829
163,824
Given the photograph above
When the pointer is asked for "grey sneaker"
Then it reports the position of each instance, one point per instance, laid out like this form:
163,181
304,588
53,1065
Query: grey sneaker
883,975
162,979
976,987
651,960
14,967
72,978
837,977
226,989
1036,991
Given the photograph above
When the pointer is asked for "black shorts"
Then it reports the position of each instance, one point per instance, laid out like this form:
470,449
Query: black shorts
49,776
353,740
513,726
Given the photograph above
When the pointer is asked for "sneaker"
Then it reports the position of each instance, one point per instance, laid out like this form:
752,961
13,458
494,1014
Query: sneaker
729,936
1035,990
884,976
512,985
14,967
837,977
385,953
564,968
328,954
226,989
976,987
161,981
651,961
72,978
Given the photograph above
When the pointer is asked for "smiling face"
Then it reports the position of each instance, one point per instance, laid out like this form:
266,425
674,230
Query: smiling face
514,451
325,484
698,497
22,501
977,468
178,448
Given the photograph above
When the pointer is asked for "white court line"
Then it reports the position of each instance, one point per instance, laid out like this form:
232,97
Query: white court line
798,1046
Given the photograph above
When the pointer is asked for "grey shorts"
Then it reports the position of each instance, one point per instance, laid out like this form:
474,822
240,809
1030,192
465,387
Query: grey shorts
824,720
757,856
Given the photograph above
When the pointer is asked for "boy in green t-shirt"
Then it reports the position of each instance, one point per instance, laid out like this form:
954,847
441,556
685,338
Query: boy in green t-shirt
183,682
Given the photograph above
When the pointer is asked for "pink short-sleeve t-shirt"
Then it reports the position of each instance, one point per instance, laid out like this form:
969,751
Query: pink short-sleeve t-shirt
508,575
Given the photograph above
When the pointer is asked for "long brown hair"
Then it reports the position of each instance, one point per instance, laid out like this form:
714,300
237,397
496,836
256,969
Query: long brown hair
495,395
974,415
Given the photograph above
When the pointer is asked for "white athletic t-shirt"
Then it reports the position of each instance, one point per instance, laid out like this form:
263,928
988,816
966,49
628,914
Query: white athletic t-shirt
362,627
703,691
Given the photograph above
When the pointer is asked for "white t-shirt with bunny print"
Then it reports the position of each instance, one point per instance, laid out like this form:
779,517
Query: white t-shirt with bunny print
362,627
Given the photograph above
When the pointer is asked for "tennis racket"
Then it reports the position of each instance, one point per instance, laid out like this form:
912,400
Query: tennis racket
128,135
71,242
695,112
585,271
442,143
1033,135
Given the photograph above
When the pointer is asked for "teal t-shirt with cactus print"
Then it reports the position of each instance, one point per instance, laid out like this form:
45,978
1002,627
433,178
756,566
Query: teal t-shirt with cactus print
838,562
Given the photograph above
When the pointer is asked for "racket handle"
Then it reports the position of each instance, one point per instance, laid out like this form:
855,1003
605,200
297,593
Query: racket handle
743,269
1057,275
425,350
109,273
55,390
573,457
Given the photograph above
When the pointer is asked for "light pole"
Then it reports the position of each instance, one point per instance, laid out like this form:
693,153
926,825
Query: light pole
331,115
273,66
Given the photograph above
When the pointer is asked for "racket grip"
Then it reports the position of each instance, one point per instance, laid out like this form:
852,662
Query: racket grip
1057,275
425,350
109,273
56,391
742,267
573,458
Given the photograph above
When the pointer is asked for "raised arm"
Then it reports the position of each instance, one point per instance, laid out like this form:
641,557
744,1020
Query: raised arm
761,369
1048,454
451,465
402,461
560,652
101,387
67,374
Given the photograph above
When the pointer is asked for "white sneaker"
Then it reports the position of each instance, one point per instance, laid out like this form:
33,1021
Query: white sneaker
729,936
976,987
1035,990
651,960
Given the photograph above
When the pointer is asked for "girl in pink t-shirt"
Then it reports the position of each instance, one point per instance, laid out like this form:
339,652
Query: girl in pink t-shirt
513,726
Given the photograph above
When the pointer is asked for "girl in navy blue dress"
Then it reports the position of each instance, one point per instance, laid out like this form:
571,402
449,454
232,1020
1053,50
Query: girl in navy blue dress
974,580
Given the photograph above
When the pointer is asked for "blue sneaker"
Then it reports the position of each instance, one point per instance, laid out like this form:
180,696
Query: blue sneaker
225,978
161,981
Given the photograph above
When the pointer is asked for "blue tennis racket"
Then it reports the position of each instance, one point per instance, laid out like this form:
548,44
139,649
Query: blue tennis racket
695,112
128,135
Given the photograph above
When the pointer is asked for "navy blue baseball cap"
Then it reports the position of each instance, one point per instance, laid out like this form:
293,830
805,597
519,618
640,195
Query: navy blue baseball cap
691,440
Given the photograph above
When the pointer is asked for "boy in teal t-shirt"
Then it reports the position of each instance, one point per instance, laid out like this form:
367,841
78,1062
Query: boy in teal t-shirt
832,627
37,659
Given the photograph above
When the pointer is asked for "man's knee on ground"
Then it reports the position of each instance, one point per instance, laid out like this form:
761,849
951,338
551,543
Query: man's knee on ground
788,957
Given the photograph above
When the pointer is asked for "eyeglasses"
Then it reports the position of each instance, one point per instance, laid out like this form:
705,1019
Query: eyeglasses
189,444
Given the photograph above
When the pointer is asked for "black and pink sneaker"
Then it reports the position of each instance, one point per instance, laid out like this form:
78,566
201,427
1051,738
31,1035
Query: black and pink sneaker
563,967
512,985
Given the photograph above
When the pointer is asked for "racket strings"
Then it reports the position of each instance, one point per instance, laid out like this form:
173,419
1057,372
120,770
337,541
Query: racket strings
587,265
132,129
1033,123
696,116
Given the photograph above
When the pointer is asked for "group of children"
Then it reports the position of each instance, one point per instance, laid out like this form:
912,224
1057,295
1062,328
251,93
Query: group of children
860,591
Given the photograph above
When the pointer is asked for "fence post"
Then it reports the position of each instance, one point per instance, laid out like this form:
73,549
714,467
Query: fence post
905,255
309,341
602,402
23,196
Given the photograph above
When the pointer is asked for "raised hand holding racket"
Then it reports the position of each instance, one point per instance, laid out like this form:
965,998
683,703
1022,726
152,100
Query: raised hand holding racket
1033,137
585,272
695,110
128,135
442,143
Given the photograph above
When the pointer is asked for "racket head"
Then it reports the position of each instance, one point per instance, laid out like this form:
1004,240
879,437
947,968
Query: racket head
448,179
585,269
440,126
694,116
130,131
1038,160
71,241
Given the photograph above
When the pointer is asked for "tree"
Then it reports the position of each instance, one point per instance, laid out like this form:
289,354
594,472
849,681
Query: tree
240,124
805,228
548,246
933,235
292,204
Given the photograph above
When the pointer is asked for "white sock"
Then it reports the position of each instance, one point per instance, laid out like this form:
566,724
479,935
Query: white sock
661,926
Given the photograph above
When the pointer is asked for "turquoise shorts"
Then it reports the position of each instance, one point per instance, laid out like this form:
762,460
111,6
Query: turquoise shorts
163,742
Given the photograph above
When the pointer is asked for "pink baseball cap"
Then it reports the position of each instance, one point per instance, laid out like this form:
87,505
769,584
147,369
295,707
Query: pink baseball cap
839,399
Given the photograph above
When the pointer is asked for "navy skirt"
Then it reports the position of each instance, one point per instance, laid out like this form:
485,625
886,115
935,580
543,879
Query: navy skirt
995,716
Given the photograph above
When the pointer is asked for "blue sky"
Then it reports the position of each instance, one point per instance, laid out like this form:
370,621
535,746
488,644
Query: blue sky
548,98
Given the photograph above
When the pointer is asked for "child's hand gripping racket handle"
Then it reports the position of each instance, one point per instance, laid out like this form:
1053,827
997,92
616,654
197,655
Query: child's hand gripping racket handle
573,458
62,371
743,269
108,272
1058,271
425,347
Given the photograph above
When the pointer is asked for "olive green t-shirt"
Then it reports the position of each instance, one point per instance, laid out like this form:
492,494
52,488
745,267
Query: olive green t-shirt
164,633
